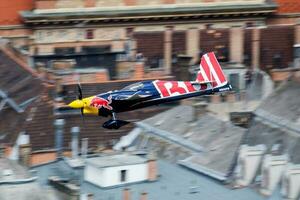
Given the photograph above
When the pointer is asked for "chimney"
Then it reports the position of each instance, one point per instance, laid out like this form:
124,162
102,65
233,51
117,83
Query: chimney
152,169
143,196
139,70
291,182
126,194
59,125
249,159
200,108
271,172
75,134
25,154
241,119
84,147
181,69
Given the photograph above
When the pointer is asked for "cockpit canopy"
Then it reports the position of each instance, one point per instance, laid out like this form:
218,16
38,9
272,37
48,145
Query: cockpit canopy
134,87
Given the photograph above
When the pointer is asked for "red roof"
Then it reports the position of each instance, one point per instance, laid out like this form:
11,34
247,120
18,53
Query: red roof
288,6
9,11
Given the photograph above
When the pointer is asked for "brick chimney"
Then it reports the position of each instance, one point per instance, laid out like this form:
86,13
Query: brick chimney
242,119
25,154
181,69
143,196
152,169
126,194
139,70
200,108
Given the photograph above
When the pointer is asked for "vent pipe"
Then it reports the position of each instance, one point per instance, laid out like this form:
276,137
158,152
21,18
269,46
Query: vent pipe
84,147
75,134
59,125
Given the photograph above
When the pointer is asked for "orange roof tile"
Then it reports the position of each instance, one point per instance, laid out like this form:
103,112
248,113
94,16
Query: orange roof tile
9,11
288,6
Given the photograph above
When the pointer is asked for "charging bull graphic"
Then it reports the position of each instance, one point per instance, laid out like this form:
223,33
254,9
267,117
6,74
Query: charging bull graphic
99,102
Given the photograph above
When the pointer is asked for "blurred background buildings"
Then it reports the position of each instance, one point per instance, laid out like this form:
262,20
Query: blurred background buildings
248,137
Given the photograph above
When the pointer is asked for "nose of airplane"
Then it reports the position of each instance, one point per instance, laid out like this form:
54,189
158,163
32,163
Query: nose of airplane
76,104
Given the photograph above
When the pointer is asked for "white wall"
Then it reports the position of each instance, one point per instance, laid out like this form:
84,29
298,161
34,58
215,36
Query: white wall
22,139
248,163
291,182
272,169
94,175
111,176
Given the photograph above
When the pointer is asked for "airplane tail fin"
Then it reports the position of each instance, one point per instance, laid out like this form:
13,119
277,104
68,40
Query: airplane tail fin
211,71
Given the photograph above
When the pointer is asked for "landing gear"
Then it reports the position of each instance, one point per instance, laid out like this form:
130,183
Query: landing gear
114,123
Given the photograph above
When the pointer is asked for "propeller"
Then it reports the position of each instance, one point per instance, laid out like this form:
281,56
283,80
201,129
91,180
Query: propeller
80,91
79,97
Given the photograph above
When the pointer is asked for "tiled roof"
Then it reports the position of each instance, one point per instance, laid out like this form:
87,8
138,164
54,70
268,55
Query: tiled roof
18,83
9,14
288,6
21,86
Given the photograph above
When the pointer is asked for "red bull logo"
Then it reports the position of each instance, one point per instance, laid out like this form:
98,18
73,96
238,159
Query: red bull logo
99,102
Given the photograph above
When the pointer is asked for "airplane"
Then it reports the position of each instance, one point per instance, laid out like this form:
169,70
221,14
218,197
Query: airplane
210,79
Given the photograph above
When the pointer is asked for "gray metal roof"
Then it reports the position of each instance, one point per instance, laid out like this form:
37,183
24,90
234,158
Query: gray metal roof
205,144
17,183
175,182
277,121
115,160
17,171
284,102
27,191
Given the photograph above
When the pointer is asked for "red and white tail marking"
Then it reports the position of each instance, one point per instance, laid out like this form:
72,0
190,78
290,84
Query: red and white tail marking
211,71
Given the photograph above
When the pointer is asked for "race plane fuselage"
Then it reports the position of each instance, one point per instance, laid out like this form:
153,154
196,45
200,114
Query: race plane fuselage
210,80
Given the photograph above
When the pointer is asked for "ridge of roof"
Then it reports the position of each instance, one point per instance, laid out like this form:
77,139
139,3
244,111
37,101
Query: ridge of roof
8,52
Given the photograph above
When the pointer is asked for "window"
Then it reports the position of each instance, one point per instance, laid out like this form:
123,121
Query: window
95,49
123,175
64,50
89,34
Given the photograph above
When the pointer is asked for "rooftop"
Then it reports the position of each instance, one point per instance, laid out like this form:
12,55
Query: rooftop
11,170
203,143
288,6
277,120
175,182
111,14
19,87
17,183
115,160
